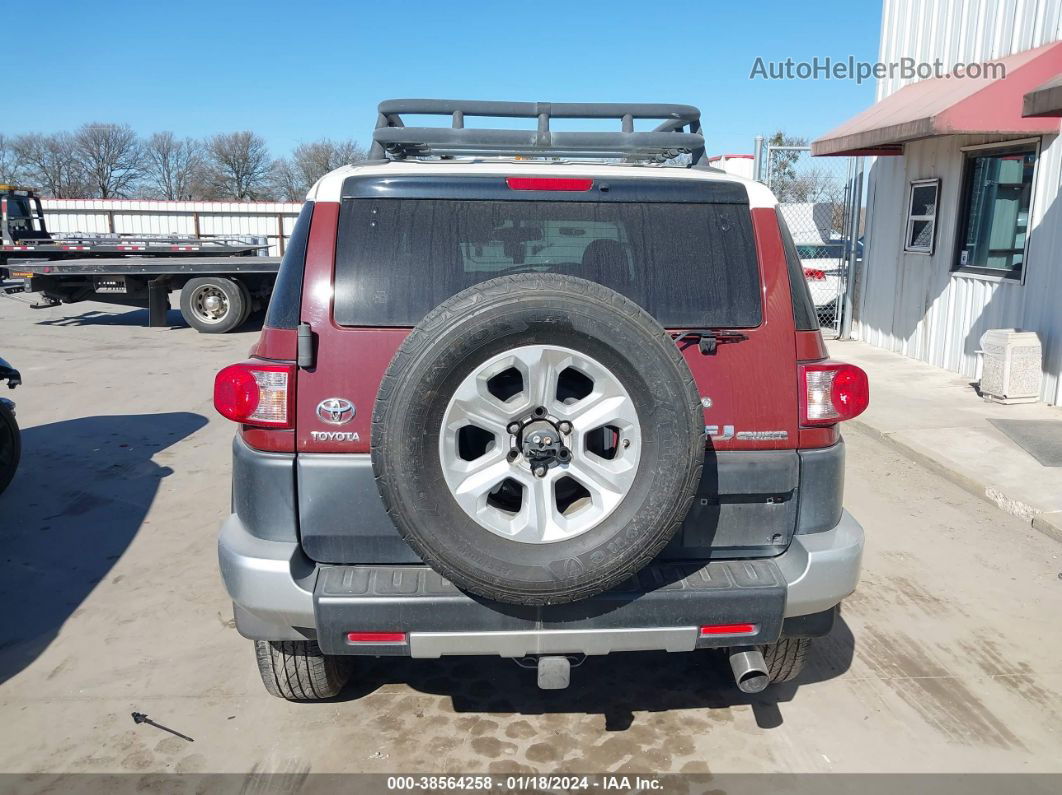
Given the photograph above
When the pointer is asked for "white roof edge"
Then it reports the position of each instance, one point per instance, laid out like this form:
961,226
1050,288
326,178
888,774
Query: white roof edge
329,188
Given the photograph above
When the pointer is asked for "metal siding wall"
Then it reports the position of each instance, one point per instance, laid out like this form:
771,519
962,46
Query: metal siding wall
90,216
913,305
1042,296
963,31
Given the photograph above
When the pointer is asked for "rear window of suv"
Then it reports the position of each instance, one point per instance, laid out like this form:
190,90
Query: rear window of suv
688,263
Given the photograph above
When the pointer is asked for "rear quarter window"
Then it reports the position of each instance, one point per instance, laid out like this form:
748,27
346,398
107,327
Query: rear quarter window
803,307
285,304
690,264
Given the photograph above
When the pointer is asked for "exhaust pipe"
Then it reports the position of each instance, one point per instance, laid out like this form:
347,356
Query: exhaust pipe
750,670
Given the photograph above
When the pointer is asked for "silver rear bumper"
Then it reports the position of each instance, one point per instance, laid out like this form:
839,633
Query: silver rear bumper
821,569
273,582
551,641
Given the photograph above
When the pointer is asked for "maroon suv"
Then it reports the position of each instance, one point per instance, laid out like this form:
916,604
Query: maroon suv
540,395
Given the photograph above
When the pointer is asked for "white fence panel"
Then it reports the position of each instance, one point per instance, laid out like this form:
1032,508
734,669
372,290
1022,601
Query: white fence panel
270,220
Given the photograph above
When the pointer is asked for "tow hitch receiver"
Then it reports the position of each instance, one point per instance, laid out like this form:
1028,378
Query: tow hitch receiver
554,673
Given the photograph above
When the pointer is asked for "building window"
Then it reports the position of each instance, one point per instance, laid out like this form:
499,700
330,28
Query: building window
922,216
994,224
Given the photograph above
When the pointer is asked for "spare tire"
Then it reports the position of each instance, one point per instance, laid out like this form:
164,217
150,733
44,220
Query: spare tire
537,439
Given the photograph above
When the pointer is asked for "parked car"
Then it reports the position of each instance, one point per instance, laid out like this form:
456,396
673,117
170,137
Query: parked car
10,438
823,265
824,268
537,409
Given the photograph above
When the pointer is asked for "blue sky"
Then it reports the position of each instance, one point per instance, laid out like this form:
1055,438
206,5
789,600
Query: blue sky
300,71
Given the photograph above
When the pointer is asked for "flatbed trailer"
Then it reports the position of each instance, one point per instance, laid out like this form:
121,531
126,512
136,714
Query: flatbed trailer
218,294
221,279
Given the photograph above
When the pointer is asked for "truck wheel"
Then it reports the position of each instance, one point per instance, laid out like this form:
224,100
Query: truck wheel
785,659
298,671
248,302
10,446
213,304
537,439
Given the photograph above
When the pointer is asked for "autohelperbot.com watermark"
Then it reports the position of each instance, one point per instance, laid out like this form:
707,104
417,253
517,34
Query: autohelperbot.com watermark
828,68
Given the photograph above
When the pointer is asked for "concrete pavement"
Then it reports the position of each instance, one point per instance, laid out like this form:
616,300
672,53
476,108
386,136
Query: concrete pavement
945,659
937,418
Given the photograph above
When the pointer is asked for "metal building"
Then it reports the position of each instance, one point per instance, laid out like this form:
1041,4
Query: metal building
964,214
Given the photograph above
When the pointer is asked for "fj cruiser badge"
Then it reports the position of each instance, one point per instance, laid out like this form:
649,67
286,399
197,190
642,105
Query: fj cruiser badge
335,411
717,434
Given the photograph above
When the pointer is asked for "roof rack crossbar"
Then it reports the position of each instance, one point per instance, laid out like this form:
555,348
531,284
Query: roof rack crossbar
679,131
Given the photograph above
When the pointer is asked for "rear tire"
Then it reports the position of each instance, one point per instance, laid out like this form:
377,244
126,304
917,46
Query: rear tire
785,659
297,670
214,304
531,549
10,446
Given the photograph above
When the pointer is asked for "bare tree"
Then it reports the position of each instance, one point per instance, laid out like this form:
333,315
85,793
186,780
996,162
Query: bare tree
51,163
8,162
110,155
782,165
818,185
293,177
173,168
239,164
10,168
287,184
815,184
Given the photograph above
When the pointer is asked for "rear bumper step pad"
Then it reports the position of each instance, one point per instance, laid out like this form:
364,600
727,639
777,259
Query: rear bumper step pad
666,603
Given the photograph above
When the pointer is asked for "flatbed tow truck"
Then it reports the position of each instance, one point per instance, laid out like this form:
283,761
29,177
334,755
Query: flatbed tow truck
222,280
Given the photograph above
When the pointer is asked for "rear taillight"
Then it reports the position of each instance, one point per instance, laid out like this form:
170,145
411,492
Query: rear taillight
832,392
549,183
814,274
256,394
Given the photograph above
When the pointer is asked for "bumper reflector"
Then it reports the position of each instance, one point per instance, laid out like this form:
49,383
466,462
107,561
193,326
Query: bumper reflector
376,637
728,629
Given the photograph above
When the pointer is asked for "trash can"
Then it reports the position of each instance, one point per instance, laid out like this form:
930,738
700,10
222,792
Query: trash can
1012,366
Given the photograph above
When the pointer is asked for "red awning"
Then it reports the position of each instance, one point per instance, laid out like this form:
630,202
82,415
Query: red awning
1046,100
950,106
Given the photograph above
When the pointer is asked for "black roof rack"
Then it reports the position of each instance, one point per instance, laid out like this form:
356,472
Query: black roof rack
679,131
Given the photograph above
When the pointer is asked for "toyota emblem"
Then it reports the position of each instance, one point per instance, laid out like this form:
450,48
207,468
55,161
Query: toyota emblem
335,411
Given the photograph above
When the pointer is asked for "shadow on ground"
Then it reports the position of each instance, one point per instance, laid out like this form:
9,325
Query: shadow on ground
79,497
616,686
125,316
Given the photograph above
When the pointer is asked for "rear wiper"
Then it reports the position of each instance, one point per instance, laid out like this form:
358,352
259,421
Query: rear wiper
709,339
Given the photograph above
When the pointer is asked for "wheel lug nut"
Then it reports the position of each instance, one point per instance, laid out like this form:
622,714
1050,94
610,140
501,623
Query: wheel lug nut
565,427
540,472
514,428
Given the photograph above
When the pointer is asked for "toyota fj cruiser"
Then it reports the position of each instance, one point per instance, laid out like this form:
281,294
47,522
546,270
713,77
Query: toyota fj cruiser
537,394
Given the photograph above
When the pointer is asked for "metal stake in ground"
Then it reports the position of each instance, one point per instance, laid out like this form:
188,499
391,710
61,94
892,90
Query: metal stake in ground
140,717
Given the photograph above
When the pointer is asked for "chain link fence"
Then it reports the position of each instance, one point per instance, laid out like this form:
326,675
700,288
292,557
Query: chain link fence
819,199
